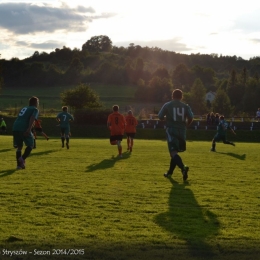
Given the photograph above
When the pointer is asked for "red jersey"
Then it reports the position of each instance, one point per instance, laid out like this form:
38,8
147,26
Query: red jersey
37,123
116,123
131,124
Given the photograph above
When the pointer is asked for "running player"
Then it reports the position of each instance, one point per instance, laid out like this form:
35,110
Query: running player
116,124
64,118
130,130
22,131
221,134
38,128
178,117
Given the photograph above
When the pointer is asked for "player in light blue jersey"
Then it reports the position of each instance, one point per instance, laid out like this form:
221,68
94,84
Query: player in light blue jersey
221,134
22,133
178,117
64,118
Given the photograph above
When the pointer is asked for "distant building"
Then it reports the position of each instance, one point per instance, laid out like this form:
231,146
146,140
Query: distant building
210,96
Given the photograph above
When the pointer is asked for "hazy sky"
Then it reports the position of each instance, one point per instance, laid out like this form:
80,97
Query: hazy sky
227,27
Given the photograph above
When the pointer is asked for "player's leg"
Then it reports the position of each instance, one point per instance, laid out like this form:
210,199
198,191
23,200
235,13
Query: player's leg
113,140
67,137
128,141
215,139
29,142
46,136
174,147
225,141
132,135
119,146
18,144
62,136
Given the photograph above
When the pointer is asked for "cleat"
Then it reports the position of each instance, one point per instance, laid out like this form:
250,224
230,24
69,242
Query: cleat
62,146
233,144
212,150
131,149
19,167
47,138
22,162
120,155
67,145
185,172
166,175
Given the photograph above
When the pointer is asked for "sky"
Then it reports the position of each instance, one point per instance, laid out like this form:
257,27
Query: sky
223,27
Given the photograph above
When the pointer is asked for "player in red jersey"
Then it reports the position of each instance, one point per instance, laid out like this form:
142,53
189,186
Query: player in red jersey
130,129
116,124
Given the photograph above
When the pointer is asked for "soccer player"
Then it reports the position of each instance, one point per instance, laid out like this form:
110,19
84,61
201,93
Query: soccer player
178,117
38,128
130,129
221,134
116,124
2,126
258,114
22,131
64,118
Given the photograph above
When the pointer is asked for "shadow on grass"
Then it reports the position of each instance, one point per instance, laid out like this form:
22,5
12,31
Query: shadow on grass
5,173
34,153
107,163
5,150
188,221
234,155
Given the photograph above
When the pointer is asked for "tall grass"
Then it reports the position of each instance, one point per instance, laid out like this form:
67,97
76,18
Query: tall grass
87,198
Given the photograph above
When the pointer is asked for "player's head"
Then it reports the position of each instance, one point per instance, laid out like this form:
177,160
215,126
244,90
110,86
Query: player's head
115,108
34,101
177,94
222,117
65,108
130,112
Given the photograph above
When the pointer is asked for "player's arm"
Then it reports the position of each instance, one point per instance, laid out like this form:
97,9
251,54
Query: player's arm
189,121
31,123
232,131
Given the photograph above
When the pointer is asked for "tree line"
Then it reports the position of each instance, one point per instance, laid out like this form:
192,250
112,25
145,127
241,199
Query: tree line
155,71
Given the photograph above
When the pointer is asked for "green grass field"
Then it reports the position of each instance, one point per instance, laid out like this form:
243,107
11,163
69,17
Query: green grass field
87,198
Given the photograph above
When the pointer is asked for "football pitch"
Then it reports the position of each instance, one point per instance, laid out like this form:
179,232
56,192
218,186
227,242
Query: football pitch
85,203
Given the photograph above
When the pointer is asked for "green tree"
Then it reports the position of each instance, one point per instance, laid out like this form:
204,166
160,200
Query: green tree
236,88
197,95
252,96
73,72
80,97
221,104
99,43
182,77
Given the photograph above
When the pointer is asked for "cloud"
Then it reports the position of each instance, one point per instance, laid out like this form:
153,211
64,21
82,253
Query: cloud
25,18
47,45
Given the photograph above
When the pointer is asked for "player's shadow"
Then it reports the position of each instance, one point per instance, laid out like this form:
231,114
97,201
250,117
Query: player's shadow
34,153
188,221
234,155
5,173
5,150
106,163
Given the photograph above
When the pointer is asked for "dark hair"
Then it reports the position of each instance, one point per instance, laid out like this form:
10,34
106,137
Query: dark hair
222,117
33,101
65,108
115,108
177,94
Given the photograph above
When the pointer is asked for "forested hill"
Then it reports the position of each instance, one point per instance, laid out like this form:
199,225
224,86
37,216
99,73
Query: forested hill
154,70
